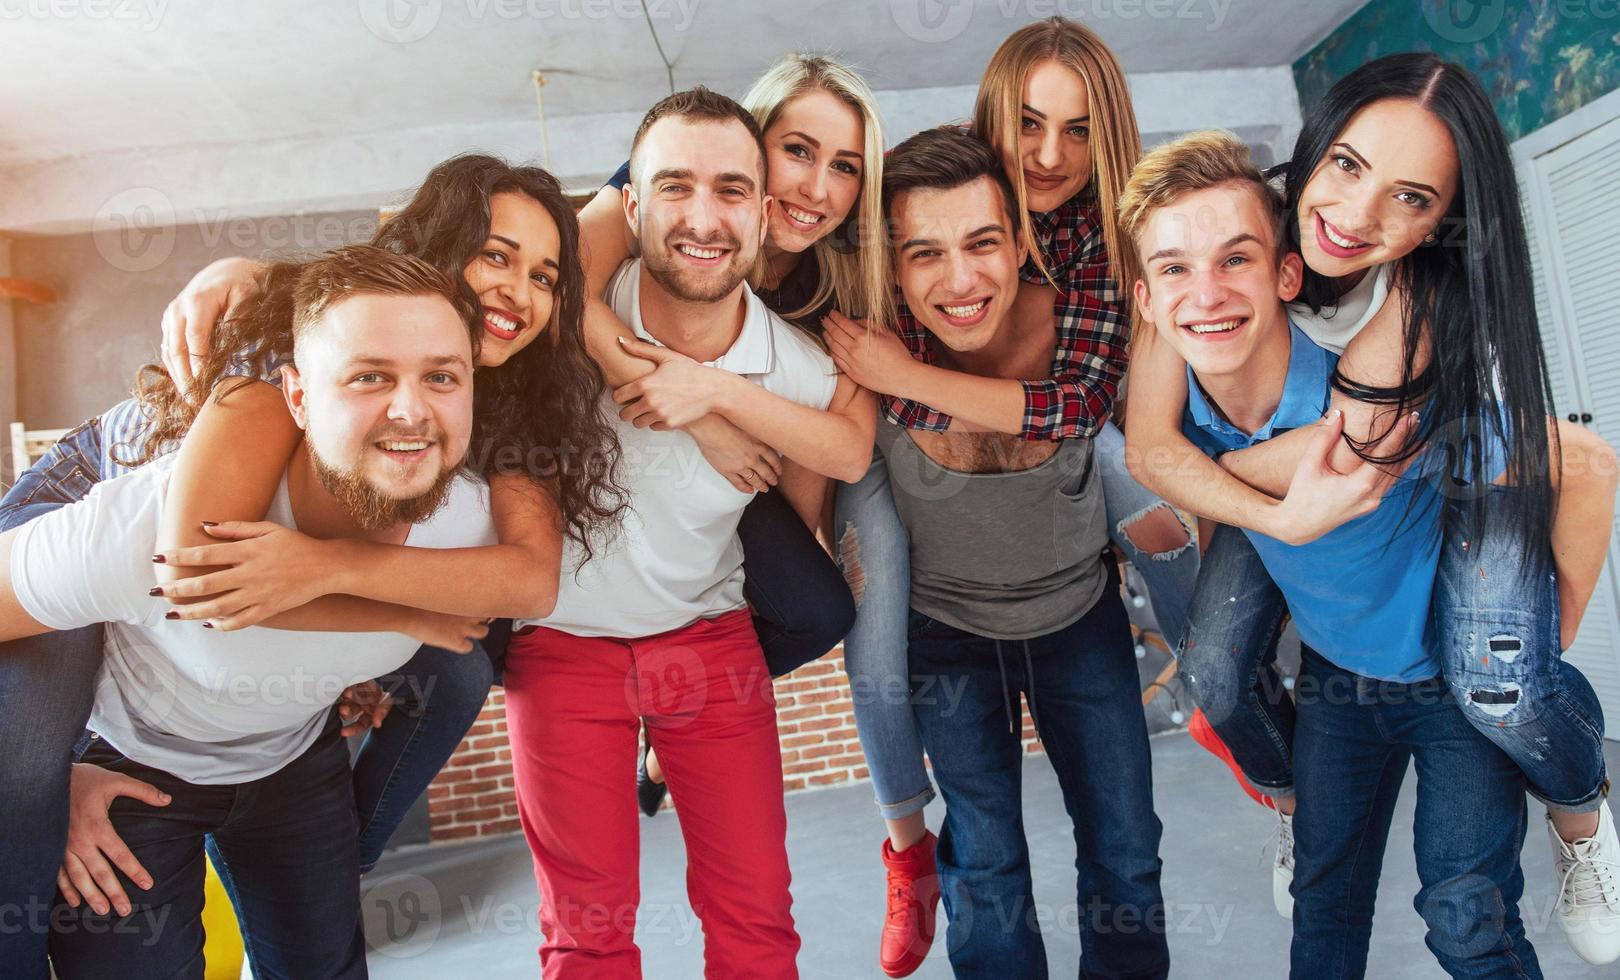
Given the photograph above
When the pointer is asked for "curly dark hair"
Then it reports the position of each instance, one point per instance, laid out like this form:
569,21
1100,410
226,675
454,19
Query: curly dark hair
538,414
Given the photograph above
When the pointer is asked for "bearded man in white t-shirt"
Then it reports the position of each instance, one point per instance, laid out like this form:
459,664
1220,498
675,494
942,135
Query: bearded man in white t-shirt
236,729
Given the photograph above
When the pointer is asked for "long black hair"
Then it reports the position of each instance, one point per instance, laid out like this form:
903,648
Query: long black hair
1470,290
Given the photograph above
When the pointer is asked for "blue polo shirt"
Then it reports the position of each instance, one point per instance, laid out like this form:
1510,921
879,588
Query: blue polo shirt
1359,594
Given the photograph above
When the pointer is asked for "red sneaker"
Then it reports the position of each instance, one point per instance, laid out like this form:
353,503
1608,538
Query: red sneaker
908,928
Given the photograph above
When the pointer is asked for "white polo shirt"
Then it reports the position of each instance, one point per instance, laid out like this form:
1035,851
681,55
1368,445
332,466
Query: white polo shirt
209,707
676,559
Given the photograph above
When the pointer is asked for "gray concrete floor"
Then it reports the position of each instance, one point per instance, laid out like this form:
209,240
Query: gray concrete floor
468,910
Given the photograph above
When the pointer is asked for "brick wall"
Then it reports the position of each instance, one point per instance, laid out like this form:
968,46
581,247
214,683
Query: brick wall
473,796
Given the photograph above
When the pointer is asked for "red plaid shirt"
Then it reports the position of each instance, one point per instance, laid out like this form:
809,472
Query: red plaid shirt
1092,330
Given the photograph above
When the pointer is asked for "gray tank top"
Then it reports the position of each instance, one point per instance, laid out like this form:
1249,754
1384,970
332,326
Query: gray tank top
1008,556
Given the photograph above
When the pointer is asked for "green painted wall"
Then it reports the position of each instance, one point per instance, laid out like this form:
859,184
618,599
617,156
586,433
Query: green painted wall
1538,59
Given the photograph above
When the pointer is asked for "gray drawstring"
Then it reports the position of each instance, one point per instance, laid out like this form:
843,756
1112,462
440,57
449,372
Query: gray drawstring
1029,687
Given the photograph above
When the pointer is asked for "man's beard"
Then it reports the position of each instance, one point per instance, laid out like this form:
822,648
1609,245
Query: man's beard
371,509
682,283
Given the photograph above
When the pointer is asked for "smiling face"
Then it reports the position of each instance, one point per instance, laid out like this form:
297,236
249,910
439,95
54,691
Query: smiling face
814,163
514,275
957,261
383,390
1383,186
699,211
1213,285
1054,136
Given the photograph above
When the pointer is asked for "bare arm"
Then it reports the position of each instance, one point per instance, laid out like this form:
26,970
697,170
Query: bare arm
835,443
244,571
1586,485
806,492
1317,498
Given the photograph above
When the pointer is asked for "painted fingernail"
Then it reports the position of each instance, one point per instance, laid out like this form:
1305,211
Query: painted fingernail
156,590
158,559
210,524
207,625
171,614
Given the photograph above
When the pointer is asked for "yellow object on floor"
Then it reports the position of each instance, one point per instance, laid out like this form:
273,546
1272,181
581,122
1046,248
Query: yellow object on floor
222,945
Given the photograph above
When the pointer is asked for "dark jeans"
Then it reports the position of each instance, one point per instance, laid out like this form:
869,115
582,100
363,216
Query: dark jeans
802,605
1082,687
47,683
289,841
1354,740
1495,612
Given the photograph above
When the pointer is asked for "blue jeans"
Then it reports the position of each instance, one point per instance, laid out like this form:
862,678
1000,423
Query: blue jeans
1496,618
1495,613
1170,575
1354,740
874,550
289,842
1083,692
47,685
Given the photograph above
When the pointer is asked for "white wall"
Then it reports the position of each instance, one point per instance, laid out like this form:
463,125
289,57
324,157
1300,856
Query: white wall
207,185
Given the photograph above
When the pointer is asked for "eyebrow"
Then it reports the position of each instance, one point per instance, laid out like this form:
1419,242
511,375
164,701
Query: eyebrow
817,143
916,242
1036,112
377,360
729,177
1407,183
514,246
1233,242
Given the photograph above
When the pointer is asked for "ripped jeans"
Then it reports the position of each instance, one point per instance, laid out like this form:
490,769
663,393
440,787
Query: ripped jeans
1495,611
874,551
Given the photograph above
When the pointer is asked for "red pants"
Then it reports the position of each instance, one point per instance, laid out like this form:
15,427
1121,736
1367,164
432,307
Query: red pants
573,705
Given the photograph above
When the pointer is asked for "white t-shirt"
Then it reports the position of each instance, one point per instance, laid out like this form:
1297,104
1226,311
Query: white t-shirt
1336,326
676,559
209,707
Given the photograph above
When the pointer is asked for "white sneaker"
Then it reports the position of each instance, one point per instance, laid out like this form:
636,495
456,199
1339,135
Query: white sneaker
1282,866
1589,890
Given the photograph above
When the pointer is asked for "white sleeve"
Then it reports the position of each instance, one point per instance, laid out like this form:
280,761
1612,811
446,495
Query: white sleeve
90,561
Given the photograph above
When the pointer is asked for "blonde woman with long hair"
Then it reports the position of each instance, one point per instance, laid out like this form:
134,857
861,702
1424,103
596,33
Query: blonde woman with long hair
823,251
1055,105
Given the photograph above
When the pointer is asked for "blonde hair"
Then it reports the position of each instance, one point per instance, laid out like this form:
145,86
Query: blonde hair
1195,162
852,260
1116,143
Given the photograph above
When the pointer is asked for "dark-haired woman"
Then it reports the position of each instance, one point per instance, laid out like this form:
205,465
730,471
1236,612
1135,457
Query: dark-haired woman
509,236
1408,219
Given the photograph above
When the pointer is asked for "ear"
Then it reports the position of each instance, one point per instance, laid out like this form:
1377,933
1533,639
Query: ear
292,387
1023,248
766,202
1143,300
1290,277
632,207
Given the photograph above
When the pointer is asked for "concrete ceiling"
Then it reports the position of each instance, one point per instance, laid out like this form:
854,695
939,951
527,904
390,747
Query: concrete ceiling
81,78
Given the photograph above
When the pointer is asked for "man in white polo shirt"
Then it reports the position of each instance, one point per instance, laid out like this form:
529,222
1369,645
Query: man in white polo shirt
655,627
237,728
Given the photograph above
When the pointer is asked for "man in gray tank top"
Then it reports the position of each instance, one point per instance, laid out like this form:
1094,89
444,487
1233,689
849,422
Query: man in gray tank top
1012,594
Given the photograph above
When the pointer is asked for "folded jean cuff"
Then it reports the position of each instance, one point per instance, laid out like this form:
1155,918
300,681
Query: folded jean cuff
1587,804
905,808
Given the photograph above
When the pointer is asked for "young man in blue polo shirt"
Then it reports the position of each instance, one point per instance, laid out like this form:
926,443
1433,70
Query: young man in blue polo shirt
1213,280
